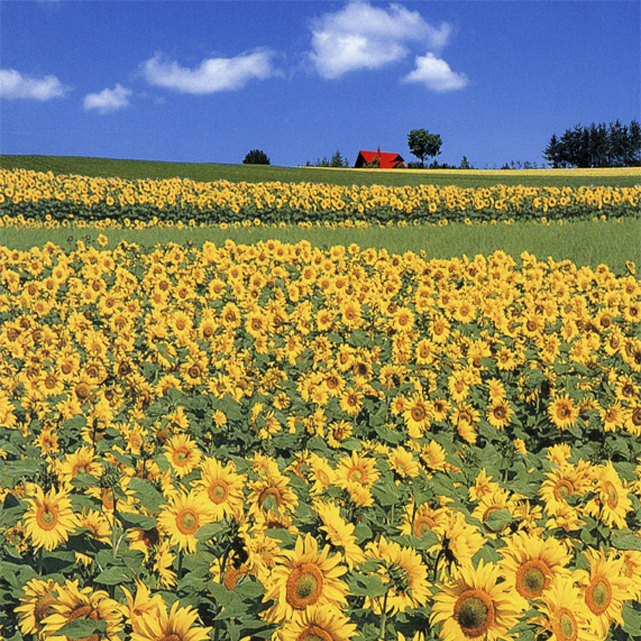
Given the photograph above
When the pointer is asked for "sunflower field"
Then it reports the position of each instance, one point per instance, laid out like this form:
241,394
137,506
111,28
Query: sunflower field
281,441
37,196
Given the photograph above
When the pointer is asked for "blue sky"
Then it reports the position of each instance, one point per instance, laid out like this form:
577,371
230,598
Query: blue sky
209,80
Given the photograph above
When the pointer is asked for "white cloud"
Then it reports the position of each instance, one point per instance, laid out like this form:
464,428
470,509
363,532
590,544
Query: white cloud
436,74
213,74
364,37
14,85
108,99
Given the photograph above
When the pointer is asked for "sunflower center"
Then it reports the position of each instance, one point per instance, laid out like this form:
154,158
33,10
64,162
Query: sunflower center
170,637
563,489
314,633
417,414
43,607
304,586
532,578
611,492
47,518
187,521
180,457
423,525
566,629
599,595
474,612
218,491
273,495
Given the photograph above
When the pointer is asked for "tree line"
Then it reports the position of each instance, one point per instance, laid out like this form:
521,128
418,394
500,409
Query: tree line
615,145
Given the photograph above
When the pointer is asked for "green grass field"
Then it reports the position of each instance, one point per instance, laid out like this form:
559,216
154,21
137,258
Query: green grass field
136,169
612,243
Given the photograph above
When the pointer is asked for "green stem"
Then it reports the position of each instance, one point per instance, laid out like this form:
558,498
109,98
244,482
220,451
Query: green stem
113,527
180,563
383,617
40,553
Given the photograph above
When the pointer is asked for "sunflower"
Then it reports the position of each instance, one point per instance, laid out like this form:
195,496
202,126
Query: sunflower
419,521
304,577
177,625
458,540
564,615
321,474
632,570
402,569
271,493
50,519
494,501
355,469
611,503
142,603
499,414
183,516
183,454
530,563
473,604
417,415
223,487
74,603
339,533
432,456
163,563
82,461
36,603
402,463
566,480
318,623
466,417
605,588
563,412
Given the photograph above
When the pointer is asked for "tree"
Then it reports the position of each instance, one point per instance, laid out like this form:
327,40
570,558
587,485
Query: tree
338,160
422,144
256,157
615,145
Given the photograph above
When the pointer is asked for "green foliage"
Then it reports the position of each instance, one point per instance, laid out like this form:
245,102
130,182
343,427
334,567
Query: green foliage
337,160
616,145
423,144
256,157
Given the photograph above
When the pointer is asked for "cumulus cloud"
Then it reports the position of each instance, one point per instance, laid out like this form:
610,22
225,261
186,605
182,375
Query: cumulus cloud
360,36
212,75
108,100
14,85
436,74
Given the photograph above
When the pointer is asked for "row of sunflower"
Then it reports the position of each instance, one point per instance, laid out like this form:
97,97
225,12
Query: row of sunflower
39,196
279,441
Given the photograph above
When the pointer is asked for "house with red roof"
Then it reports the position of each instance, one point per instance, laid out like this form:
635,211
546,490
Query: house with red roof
386,160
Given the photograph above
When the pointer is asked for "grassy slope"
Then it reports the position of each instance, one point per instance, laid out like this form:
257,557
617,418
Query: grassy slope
135,169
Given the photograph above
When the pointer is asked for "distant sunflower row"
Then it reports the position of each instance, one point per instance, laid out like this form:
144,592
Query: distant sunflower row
274,440
41,196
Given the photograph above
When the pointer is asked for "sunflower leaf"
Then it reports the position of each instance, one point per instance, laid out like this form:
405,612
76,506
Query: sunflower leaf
113,575
632,620
626,541
370,585
81,628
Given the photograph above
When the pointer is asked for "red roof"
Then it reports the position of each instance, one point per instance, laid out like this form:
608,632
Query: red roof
386,160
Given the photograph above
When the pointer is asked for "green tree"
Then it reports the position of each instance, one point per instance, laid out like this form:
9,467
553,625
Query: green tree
422,143
338,160
256,157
